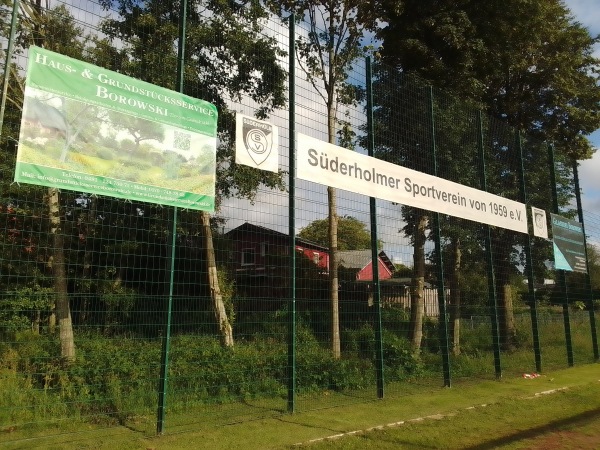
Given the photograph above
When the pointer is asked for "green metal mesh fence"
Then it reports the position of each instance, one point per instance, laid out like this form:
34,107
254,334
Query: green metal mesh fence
180,318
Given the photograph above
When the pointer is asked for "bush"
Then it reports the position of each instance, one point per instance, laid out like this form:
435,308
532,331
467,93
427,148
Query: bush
399,359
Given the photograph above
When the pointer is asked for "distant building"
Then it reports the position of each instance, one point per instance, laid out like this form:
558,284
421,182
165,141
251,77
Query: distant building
358,265
259,257
257,250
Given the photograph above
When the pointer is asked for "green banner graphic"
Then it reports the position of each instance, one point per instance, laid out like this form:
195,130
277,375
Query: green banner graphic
569,244
89,129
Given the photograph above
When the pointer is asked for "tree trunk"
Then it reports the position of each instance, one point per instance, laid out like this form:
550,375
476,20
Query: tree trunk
63,309
417,299
333,273
87,262
333,242
218,305
52,319
506,317
455,296
35,327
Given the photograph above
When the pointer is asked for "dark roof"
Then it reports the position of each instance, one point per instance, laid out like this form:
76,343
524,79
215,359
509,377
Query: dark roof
249,228
358,259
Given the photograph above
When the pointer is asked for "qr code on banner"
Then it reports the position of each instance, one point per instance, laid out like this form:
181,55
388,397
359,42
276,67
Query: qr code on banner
182,141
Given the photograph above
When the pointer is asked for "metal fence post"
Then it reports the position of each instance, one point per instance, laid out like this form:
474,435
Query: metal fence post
166,344
291,400
374,243
529,265
9,52
588,282
562,279
493,301
443,319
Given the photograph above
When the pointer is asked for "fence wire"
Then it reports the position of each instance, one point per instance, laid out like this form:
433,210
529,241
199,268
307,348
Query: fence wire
120,263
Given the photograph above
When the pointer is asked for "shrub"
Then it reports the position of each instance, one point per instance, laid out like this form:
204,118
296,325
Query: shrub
399,359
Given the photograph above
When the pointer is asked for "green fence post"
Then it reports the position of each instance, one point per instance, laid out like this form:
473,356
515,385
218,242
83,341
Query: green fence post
587,275
443,319
529,265
9,52
562,279
166,339
166,343
291,401
493,301
374,243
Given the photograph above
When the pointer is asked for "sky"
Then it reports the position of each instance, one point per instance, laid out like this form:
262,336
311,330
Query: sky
587,12
270,209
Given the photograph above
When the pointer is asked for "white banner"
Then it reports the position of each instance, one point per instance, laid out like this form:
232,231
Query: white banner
334,166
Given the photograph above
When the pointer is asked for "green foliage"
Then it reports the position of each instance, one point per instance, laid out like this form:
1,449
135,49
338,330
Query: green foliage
352,233
471,48
399,360
578,306
402,271
25,308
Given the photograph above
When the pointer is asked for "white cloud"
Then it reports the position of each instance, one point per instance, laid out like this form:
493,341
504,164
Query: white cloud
586,12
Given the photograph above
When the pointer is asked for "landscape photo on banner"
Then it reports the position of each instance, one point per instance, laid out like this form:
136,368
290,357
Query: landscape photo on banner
92,130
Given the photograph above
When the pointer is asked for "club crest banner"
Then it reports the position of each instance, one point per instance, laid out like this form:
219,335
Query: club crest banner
256,143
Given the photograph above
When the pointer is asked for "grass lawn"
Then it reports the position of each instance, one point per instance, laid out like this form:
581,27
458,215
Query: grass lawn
564,414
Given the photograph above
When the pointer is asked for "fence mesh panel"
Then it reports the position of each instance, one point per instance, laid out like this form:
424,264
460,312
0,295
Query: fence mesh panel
183,316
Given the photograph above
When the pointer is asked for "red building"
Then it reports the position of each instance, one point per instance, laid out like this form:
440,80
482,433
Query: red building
357,265
260,259
257,249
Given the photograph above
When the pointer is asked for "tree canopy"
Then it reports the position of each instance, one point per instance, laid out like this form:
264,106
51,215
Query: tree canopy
352,233
529,63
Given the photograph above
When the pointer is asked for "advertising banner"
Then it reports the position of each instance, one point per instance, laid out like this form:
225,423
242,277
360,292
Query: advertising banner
569,244
334,166
89,129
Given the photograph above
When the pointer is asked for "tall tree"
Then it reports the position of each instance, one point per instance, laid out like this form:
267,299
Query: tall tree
55,30
594,265
403,136
541,81
325,54
227,57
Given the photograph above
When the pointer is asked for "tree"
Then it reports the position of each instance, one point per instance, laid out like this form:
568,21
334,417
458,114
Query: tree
140,129
593,255
541,81
398,99
325,56
353,234
56,31
227,57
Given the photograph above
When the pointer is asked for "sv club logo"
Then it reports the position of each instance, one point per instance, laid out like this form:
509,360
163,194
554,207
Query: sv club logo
258,140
